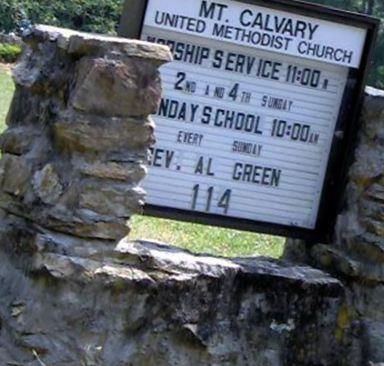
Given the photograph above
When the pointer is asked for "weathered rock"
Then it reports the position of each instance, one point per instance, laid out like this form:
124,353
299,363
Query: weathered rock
332,259
373,157
94,134
47,186
16,175
86,227
116,171
148,304
52,150
84,44
18,141
10,38
111,199
75,291
357,252
372,209
375,227
368,247
117,88
79,131
376,193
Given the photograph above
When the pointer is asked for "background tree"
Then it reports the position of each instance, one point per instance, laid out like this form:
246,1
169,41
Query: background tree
101,16
372,8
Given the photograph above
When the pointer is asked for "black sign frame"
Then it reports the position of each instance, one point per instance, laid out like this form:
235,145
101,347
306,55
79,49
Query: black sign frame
344,140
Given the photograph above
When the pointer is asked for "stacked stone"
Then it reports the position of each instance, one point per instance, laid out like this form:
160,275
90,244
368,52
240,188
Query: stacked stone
73,156
78,131
357,252
11,38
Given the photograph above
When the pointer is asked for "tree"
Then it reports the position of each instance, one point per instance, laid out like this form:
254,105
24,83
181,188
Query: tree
101,16
373,8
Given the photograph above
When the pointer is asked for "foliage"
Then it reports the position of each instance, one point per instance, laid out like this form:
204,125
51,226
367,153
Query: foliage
373,8
9,52
100,16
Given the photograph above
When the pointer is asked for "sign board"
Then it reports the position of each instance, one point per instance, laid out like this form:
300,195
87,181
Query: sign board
258,113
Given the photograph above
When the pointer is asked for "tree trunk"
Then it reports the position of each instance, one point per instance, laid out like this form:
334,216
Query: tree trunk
363,6
370,6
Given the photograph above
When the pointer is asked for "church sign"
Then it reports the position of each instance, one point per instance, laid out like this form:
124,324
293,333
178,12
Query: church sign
259,112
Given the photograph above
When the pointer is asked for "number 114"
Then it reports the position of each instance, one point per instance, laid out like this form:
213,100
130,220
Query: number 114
198,195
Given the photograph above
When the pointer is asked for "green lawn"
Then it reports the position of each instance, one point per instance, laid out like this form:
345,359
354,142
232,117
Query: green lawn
207,239
197,238
6,92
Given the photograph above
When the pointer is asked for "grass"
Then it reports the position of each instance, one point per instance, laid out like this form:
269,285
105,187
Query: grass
194,237
206,239
6,91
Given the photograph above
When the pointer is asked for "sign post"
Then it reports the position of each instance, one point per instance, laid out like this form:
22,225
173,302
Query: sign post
259,112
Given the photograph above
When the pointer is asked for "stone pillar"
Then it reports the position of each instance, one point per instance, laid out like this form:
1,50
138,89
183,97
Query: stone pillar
357,254
79,130
73,155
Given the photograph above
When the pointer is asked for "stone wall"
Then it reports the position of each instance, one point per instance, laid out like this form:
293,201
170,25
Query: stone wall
356,255
75,291
10,39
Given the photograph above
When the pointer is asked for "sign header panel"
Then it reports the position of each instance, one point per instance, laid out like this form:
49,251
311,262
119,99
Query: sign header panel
257,114
261,28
